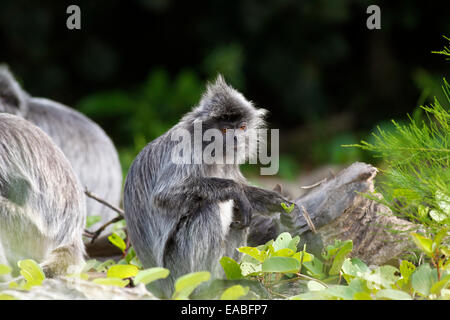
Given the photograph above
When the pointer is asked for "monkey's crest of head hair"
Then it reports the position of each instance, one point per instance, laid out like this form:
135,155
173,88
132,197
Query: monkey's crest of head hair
12,97
221,102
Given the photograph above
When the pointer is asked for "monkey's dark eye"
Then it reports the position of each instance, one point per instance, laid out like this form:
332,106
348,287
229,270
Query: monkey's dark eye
243,127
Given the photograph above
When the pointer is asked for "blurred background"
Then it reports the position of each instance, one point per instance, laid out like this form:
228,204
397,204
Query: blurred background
137,66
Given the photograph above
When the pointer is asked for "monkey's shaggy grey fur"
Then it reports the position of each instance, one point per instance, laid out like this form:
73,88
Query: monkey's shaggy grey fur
87,147
42,204
180,216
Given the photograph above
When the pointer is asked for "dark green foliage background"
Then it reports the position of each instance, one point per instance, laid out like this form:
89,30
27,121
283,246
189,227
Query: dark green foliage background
136,66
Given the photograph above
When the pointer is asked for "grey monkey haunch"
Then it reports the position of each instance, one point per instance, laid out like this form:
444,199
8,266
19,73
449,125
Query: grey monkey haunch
185,217
87,147
42,204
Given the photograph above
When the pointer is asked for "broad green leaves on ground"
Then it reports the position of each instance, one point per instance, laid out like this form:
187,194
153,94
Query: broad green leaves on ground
186,284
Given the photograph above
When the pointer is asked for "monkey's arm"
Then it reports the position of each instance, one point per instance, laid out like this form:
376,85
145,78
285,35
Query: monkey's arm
265,202
195,190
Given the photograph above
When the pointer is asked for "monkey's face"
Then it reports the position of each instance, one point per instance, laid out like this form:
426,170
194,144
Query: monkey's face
235,139
235,120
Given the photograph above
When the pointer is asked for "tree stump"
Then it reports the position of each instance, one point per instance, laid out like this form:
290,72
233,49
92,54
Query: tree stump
335,209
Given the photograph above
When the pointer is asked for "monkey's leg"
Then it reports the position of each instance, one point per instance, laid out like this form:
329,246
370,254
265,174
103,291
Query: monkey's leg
20,238
237,237
34,242
197,245
63,260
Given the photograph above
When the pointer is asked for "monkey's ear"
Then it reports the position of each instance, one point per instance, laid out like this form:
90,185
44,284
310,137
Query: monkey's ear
12,97
278,188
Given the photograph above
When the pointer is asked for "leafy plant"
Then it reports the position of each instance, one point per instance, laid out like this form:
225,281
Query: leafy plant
445,51
279,260
186,284
416,176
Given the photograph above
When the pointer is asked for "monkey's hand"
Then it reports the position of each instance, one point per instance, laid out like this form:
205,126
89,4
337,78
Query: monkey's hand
267,202
242,212
290,215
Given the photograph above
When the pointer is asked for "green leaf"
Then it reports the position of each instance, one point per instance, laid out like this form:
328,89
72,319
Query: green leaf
362,296
437,215
359,285
406,270
91,264
443,202
6,297
392,294
423,279
306,256
438,286
4,269
122,271
293,244
333,249
382,277
440,235
136,262
445,293
116,240
91,220
131,254
287,209
149,275
104,266
234,292
281,264
340,257
231,268
32,272
354,267
187,283
423,211
315,268
249,269
286,252
341,292
315,286
253,252
424,244
282,241
117,282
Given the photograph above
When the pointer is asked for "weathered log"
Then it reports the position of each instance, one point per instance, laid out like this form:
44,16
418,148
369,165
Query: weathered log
102,248
337,210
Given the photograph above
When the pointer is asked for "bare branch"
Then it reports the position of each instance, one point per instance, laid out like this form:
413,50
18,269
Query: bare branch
121,215
308,219
95,197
